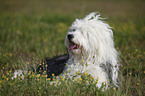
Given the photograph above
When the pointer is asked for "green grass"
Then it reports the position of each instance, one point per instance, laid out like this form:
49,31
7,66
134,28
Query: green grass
28,37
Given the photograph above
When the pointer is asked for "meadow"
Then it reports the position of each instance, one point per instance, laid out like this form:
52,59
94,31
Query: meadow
31,31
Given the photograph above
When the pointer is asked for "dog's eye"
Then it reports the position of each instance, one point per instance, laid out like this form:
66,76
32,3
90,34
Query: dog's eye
74,30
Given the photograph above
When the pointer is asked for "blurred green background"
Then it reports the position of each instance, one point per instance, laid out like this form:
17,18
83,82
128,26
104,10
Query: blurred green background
31,30
127,8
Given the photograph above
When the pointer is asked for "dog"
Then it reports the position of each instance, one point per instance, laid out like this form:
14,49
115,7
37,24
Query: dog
89,40
90,46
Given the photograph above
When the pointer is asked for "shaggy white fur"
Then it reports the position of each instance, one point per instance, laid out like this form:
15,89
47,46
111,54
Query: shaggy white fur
91,49
91,40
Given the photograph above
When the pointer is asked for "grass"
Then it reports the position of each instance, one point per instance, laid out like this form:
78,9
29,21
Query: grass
26,39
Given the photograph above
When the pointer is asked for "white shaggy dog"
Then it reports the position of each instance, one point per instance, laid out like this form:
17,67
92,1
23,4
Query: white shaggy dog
91,49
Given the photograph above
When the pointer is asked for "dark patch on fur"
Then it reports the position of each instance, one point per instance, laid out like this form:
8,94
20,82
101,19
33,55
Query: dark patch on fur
55,65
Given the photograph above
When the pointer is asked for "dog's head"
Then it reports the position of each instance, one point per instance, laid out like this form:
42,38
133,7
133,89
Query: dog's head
90,36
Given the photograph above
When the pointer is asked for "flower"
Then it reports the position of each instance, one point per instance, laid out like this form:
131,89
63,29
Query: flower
66,64
114,88
80,79
38,75
48,79
44,71
96,81
7,79
74,79
82,61
63,79
56,77
93,82
10,54
28,63
52,74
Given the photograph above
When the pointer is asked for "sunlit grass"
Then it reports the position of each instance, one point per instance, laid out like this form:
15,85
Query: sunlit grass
26,40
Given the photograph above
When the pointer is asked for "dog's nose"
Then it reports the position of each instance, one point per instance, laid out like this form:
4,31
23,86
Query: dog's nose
70,36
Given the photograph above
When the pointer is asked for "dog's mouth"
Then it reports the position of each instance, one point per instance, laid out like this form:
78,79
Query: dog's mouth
73,46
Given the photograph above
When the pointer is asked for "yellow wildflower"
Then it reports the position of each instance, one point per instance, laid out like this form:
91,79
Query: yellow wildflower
93,82
114,88
28,63
137,83
96,81
48,79
52,74
80,79
10,54
136,50
38,75
66,64
10,71
63,79
7,79
56,77
78,72
44,71
7,73
74,73
82,61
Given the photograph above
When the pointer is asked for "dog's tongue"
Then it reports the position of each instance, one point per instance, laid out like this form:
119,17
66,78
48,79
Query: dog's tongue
72,46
